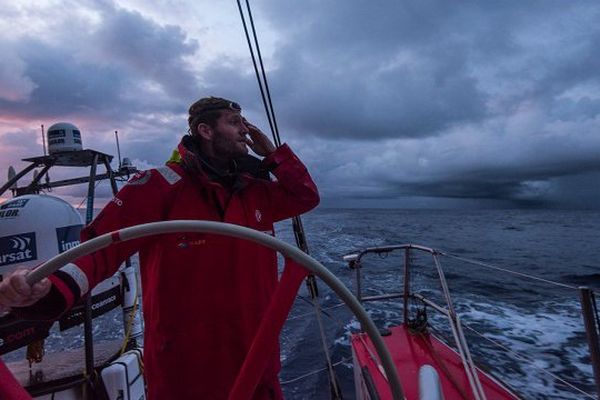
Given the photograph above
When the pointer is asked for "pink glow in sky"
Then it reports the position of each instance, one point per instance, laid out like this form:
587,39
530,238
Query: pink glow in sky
418,104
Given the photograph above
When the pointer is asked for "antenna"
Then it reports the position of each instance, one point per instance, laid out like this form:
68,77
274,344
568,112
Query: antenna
11,176
118,148
44,140
47,175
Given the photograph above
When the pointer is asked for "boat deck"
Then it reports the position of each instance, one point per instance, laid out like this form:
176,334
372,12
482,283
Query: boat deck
61,368
409,353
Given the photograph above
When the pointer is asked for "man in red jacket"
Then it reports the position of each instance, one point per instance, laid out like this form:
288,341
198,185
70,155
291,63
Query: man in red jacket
204,295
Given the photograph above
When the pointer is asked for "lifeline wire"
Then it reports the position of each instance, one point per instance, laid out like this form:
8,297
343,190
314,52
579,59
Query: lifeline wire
306,375
482,264
530,361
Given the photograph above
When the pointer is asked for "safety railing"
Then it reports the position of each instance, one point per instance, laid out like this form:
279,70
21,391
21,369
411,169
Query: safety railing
586,296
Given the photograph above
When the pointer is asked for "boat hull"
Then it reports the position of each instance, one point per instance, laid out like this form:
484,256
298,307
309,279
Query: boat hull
411,352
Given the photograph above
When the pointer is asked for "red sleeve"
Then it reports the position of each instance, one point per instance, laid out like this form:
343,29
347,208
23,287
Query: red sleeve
142,200
294,192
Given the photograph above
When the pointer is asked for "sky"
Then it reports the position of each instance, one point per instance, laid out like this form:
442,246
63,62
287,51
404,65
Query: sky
408,104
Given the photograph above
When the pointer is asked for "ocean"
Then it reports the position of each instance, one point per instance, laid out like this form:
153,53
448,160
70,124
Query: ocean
538,321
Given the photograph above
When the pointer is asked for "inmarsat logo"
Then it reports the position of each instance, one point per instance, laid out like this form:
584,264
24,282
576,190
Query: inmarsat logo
67,237
20,242
17,248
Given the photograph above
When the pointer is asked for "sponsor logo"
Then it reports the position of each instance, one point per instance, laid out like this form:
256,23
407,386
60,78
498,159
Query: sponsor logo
64,246
67,237
9,213
17,248
184,243
104,302
17,336
101,304
16,333
258,215
19,203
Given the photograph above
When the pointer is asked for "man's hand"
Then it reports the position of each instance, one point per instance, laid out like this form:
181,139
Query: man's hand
16,292
261,144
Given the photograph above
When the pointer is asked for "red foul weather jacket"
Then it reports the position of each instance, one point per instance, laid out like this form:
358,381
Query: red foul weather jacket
203,295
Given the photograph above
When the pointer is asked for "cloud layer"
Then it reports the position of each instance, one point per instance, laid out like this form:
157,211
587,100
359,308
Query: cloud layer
389,103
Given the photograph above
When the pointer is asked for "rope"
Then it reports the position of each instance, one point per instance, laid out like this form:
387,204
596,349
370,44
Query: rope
482,264
129,323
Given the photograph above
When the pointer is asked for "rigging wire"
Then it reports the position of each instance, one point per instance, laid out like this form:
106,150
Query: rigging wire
323,310
486,265
528,360
296,221
98,182
258,78
262,68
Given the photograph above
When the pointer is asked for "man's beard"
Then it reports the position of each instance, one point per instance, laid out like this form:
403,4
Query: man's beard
226,148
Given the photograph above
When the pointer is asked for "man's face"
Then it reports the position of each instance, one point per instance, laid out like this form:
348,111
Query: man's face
230,135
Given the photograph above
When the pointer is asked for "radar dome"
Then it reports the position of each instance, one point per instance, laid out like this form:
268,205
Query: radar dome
62,137
35,228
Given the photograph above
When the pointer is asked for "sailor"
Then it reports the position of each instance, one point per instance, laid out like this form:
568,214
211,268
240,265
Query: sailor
203,294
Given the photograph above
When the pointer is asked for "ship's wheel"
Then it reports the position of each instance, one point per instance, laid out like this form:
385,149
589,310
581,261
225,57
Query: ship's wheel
297,262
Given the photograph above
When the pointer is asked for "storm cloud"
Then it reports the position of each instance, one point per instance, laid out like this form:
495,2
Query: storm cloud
417,103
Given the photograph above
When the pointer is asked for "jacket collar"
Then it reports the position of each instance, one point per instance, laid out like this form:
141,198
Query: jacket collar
189,156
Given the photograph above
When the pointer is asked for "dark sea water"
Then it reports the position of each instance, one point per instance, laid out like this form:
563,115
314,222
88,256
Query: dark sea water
541,321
